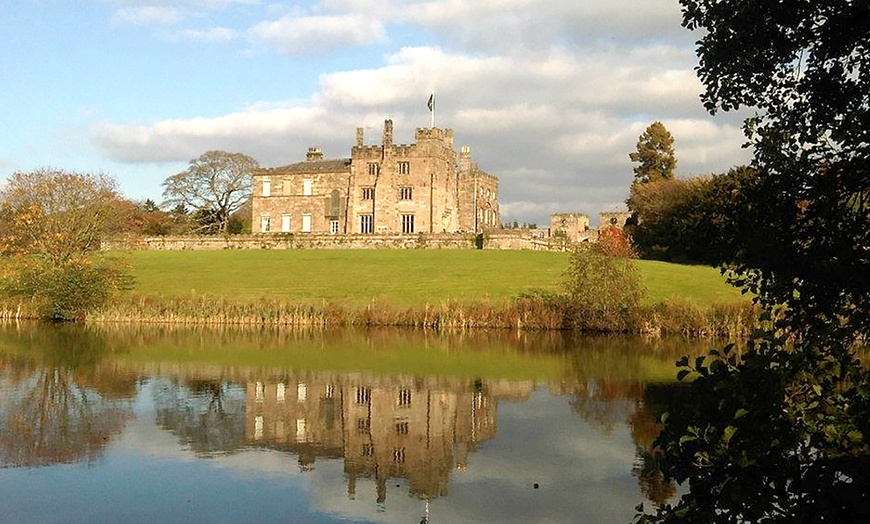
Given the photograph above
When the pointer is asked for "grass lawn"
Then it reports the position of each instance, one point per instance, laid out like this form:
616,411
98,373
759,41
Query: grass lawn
700,284
403,277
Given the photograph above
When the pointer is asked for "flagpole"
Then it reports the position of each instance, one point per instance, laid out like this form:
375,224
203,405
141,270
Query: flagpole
432,110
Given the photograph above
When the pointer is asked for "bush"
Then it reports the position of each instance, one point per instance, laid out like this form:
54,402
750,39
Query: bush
603,292
613,242
66,291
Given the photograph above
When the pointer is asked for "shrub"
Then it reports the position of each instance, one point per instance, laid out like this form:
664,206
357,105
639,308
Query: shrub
613,242
603,293
66,291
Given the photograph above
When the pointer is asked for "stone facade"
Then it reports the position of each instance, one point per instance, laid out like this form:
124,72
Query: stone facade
419,428
572,227
613,218
424,187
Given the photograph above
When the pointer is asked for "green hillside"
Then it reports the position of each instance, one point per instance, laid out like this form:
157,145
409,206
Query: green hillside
398,276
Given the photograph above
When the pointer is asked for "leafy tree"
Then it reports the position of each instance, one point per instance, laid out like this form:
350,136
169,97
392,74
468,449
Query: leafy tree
655,155
215,185
53,222
149,206
57,214
779,432
692,219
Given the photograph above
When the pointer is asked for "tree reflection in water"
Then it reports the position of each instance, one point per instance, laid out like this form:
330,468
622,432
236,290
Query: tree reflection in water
61,405
206,415
611,387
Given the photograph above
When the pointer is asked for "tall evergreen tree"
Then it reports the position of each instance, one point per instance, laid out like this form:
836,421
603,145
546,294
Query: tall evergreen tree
655,155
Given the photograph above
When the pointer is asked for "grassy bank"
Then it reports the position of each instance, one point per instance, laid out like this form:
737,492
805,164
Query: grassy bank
435,289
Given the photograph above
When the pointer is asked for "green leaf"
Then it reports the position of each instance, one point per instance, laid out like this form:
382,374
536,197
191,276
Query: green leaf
728,433
687,438
740,413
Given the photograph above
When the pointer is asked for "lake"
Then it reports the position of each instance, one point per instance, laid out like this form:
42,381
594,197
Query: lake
173,424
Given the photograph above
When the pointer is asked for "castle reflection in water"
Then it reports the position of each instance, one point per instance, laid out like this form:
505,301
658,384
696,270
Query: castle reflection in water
418,429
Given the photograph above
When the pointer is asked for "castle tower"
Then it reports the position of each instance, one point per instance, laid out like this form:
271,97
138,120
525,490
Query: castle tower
388,135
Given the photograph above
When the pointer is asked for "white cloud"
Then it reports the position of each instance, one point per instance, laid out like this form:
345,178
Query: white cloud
215,34
166,12
205,4
551,96
296,35
153,15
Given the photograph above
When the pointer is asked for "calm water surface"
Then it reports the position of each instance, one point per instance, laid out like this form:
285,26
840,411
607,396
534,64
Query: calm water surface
121,424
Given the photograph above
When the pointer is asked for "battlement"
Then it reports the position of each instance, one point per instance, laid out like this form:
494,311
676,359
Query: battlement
434,133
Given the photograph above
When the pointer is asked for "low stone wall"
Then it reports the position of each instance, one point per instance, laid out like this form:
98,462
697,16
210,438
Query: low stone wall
297,241
503,239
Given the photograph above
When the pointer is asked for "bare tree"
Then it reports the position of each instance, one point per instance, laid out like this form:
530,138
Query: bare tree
217,183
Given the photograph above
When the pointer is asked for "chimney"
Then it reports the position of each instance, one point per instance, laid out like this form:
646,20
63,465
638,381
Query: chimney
314,153
465,158
359,137
388,134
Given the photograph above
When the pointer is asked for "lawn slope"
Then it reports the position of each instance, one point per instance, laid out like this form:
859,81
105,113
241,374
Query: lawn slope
402,277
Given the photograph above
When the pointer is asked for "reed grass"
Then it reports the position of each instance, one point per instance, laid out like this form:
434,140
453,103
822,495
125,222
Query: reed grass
525,313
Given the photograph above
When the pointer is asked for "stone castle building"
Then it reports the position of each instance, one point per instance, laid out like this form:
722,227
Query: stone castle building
424,187
418,429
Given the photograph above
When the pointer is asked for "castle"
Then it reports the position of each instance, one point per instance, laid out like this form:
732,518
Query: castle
424,187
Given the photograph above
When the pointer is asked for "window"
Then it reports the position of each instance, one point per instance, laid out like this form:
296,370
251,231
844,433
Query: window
301,392
374,168
399,455
407,223
265,224
258,391
368,193
404,397
366,224
267,188
280,392
306,223
333,227
300,430
363,425
363,395
333,204
368,449
402,428
405,193
404,168
258,427
285,223
330,391
306,187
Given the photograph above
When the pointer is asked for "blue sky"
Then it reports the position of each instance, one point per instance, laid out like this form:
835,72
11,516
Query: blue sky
551,96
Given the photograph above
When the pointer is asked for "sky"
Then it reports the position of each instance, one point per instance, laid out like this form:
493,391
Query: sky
551,96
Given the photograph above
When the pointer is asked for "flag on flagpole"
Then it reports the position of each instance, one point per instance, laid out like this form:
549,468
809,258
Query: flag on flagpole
431,103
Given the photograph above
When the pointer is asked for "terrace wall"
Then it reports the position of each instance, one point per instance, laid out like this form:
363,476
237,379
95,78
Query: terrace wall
499,240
